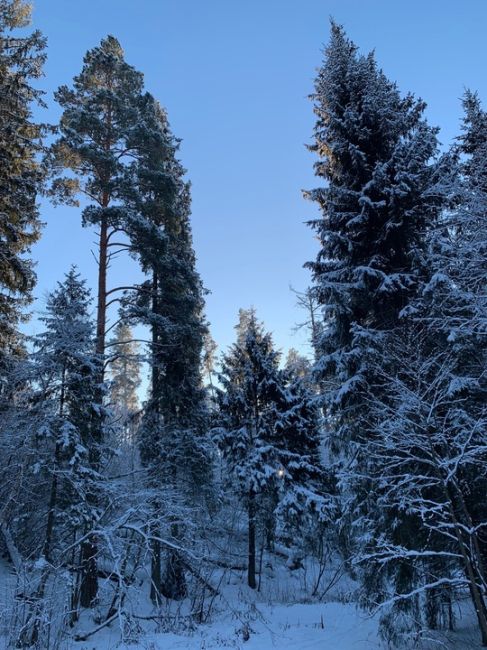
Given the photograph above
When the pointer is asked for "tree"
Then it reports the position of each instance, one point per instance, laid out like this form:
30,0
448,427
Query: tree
268,435
173,444
99,115
62,411
307,301
378,158
250,380
21,61
297,365
426,467
375,151
125,378
426,459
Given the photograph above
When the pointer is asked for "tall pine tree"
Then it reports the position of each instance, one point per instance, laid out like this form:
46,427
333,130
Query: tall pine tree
99,114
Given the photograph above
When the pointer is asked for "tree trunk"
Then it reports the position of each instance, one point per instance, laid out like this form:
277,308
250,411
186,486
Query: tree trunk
251,568
89,579
101,312
173,583
473,579
155,587
89,573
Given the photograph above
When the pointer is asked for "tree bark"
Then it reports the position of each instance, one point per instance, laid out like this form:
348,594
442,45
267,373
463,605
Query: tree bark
155,587
101,312
251,568
89,579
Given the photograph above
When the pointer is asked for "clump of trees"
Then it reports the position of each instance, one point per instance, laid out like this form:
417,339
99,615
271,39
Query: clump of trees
124,452
400,278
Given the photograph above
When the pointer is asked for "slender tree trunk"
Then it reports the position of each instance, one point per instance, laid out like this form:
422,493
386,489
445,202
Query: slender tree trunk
46,549
101,312
261,561
156,568
251,568
155,587
472,576
89,580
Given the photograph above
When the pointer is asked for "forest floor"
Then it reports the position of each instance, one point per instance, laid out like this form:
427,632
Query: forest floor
279,617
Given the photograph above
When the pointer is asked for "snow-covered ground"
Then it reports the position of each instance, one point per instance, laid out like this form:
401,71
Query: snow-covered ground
327,626
332,626
242,619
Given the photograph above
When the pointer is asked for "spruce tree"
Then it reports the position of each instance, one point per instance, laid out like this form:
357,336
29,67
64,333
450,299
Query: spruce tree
378,160
173,445
21,60
269,437
374,150
62,413
250,381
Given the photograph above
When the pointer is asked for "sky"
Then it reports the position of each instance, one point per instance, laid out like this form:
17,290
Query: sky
235,77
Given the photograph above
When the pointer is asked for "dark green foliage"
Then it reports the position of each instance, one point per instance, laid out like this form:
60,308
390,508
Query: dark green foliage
21,60
374,151
99,114
269,435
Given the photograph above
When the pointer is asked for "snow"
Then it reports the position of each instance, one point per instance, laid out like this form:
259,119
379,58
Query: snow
305,626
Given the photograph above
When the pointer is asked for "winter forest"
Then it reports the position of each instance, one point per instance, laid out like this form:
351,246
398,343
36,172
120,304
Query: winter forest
161,492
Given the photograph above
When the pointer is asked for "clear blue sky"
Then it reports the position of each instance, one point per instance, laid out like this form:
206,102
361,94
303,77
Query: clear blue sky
235,76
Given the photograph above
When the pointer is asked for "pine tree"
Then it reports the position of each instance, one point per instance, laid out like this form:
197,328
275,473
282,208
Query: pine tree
99,114
21,61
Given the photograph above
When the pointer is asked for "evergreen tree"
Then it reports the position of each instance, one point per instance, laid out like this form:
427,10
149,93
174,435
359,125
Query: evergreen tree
99,114
268,435
377,156
63,412
374,150
21,60
297,365
173,444
447,384
251,390
125,379
425,462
